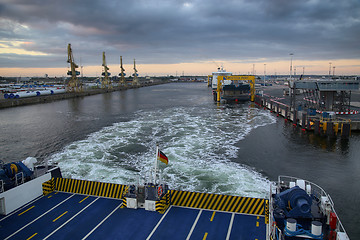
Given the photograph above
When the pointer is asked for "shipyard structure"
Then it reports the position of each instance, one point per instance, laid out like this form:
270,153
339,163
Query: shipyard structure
46,90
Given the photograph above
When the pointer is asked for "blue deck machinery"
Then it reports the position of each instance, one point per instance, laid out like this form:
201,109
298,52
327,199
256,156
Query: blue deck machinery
301,209
15,173
297,213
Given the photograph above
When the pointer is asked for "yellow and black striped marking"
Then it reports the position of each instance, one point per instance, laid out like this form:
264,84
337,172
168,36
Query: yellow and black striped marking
266,211
100,189
123,198
124,203
217,202
226,203
48,186
163,204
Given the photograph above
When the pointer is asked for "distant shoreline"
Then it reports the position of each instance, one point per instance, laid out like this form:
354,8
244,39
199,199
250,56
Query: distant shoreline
7,103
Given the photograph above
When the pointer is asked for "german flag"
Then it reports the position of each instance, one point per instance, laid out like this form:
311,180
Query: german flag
162,157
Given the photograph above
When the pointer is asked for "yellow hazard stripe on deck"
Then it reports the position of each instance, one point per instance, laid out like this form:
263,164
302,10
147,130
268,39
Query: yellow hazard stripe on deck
48,186
101,189
218,202
163,204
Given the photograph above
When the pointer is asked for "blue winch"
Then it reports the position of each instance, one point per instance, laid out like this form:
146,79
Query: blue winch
8,172
294,203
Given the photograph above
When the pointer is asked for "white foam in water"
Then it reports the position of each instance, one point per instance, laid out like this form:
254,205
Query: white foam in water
199,142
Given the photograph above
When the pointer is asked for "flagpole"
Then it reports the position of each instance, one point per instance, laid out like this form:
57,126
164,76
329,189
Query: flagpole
156,160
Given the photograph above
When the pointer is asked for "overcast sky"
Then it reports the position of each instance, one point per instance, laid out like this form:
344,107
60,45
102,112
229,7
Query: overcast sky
35,33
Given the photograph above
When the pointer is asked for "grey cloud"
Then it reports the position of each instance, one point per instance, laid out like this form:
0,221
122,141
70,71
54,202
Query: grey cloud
172,31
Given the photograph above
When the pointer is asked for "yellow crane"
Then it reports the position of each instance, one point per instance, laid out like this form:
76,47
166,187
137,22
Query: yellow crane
106,82
74,84
135,80
122,74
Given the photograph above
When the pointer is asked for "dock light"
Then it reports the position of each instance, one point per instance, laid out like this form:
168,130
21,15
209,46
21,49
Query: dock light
291,57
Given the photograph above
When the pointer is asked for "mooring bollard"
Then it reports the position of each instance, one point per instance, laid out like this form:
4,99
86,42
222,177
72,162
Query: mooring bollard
303,120
317,126
330,129
345,130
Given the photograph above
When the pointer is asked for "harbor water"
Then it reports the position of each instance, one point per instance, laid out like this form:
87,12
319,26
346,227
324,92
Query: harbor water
231,149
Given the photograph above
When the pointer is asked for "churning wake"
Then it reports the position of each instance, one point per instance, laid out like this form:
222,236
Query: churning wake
199,142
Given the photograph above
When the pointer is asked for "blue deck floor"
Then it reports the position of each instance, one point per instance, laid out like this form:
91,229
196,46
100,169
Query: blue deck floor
73,216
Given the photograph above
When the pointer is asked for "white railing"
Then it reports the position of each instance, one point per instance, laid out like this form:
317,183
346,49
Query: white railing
274,233
19,178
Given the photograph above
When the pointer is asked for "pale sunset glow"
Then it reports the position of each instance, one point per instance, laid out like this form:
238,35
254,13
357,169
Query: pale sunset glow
20,51
16,47
344,67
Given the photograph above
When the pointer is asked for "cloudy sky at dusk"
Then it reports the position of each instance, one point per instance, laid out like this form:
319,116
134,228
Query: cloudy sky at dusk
169,36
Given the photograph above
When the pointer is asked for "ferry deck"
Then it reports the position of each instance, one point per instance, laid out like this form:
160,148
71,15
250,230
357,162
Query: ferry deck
62,215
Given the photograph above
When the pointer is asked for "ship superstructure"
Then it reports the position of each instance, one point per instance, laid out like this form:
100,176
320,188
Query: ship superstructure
231,88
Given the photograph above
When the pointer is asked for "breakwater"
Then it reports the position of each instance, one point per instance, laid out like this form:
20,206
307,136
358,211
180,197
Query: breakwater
6,103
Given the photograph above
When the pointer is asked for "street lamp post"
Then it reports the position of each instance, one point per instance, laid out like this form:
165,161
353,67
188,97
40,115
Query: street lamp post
264,73
291,56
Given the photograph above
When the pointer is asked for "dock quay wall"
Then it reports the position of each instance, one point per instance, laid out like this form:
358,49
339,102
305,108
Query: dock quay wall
310,122
6,103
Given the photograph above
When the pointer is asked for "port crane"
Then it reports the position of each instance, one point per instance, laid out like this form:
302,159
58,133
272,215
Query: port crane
135,80
122,74
106,82
74,84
